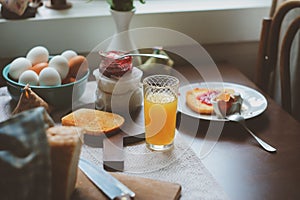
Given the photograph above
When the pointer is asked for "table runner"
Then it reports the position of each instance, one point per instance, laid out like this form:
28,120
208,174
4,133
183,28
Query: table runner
179,165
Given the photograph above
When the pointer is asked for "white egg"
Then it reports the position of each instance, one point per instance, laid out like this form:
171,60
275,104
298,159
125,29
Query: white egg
60,63
29,77
68,54
49,77
18,66
37,55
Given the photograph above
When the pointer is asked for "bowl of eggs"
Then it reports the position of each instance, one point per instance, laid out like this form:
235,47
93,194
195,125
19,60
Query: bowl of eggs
60,80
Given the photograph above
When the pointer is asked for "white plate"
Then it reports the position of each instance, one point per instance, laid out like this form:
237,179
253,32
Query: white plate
254,103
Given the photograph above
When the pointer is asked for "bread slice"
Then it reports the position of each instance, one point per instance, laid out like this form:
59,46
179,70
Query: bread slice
94,122
206,108
65,145
196,105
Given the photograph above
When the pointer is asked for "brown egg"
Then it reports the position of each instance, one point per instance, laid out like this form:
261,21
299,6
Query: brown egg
38,67
68,79
78,66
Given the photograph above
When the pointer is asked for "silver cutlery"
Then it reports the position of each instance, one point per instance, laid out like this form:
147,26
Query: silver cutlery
111,186
240,119
141,54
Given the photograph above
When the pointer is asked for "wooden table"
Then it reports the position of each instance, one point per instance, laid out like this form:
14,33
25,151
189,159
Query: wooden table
239,164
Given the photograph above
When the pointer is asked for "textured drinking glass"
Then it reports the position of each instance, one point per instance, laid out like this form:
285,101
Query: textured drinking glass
160,107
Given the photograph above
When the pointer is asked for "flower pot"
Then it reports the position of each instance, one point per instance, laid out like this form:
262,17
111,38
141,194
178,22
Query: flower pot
122,41
58,4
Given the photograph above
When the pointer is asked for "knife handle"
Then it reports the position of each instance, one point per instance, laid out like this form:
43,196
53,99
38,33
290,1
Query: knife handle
123,197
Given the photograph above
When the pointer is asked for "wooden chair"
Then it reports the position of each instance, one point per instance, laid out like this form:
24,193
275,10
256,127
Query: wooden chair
273,7
270,48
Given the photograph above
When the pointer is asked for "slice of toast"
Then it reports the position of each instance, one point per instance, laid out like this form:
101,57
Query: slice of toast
196,105
94,122
65,146
204,107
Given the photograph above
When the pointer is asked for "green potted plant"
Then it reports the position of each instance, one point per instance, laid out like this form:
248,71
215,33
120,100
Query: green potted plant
122,5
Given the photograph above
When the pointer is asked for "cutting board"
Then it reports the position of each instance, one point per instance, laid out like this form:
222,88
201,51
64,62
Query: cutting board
145,189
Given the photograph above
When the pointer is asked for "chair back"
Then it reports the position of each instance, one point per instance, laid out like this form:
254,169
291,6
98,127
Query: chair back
285,74
270,48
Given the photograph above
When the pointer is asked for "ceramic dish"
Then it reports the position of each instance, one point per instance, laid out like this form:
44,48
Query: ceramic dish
57,96
254,103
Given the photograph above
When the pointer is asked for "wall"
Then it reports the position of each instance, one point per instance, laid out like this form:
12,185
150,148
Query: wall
230,35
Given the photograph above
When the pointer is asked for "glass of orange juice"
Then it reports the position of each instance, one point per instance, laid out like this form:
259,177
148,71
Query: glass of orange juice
160,107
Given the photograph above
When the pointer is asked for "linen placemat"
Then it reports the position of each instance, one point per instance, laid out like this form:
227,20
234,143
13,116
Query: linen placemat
179,165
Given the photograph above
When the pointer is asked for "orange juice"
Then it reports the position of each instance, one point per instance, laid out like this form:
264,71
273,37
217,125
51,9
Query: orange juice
160,118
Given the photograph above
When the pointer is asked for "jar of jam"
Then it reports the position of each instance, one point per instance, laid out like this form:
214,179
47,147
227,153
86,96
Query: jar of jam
118,83
110,65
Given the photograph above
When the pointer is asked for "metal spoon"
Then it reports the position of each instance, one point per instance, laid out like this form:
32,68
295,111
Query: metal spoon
141,54
240,119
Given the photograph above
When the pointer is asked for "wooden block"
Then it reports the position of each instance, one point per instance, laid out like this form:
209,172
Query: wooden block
144,188
127,140
113,153
97,140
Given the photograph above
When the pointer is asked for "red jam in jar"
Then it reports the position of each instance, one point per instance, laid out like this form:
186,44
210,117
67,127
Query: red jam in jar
110,66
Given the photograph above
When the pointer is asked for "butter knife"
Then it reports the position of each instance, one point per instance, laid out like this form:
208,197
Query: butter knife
110,186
